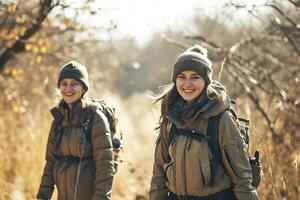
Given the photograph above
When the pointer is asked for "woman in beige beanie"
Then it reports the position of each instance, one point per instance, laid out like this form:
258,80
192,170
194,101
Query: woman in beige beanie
79,156
184,165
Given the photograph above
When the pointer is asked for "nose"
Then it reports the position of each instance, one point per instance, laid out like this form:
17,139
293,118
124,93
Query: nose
188,82
68,88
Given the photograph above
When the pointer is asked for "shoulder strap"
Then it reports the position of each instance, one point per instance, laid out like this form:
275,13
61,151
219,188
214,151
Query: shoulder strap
88,121
214,145
213,135
212,138
213,141
175,132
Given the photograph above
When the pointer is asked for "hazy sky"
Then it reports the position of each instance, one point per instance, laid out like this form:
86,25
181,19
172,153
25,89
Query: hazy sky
140,18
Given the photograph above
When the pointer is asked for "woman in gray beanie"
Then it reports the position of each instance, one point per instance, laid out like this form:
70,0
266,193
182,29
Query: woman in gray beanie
80,166
184,164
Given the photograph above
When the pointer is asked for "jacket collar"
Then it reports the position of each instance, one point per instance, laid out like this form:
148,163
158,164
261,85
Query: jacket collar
80,104
74,114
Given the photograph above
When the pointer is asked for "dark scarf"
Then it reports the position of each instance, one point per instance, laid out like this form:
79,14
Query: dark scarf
182,111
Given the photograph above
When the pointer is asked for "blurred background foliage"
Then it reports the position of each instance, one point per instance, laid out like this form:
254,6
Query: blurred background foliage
255,49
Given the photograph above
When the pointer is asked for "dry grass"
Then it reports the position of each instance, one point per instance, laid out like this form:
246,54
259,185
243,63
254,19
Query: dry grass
23,138
280,180
23,141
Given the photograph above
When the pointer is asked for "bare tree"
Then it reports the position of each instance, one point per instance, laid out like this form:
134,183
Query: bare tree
16,43
21,21
265,64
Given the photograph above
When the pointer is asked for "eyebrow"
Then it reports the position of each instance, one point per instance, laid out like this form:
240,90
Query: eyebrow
193,74
72,81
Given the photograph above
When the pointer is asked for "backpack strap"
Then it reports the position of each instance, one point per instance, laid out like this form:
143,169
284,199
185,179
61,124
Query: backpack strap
90,114
212,138
213,141
175,132
86,125
214,145
88,121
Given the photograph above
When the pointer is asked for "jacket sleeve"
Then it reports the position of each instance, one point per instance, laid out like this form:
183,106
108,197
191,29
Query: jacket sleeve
103,157
235,158
47,183
158,189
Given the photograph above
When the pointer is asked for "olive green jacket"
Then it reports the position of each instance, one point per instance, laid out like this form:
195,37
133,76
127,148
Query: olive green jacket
183,167
96,168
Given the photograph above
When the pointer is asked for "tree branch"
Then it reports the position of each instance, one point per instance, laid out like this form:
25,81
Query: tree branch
291,40
297,4
271,5
247,90
174,42
232,56
212,44
19,45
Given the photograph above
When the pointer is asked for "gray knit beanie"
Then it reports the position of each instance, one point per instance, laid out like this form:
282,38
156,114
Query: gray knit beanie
194,58
74,70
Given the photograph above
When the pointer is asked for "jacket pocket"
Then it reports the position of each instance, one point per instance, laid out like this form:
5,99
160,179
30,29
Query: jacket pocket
205,169
230,162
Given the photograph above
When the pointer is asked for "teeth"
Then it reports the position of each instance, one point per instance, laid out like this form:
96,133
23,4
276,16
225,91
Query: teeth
188,90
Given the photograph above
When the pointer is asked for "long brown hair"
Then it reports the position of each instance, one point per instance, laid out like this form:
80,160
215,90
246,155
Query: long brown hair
168,97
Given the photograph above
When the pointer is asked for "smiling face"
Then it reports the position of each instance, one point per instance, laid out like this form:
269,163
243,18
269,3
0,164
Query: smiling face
71,90
189,84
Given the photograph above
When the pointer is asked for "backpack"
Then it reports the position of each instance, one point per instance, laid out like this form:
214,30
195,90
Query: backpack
87,126
212,138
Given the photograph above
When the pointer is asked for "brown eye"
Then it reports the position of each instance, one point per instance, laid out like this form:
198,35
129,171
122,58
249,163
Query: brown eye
63,84
74,84
180,76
